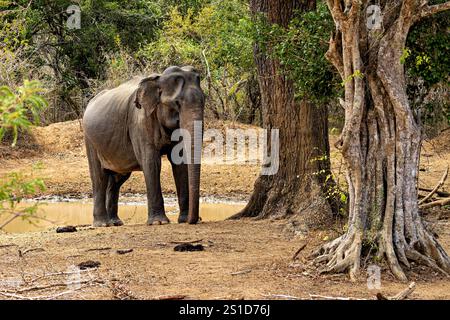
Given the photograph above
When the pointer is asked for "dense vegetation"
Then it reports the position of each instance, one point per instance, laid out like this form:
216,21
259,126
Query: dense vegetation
118,39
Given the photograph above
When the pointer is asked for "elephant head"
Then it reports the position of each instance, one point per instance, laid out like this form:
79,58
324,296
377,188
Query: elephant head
178,101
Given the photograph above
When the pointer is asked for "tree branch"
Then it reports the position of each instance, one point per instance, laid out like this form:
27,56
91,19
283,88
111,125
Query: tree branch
334,53
430,10
439,184
336,11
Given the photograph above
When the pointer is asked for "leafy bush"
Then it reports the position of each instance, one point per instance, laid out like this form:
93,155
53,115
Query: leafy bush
301,50
16,108
13,191
216,39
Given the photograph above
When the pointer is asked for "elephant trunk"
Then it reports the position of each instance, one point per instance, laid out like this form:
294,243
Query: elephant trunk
194,127
194,192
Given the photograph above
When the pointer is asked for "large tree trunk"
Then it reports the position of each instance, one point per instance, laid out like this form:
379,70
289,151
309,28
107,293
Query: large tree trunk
303,178
380,142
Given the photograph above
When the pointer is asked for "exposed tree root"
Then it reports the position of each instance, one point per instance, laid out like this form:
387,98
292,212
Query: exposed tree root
344,254
341,254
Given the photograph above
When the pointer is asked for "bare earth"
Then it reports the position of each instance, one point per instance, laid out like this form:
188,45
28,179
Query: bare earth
241,259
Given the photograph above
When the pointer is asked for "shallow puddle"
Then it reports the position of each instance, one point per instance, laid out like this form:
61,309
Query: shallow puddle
51,215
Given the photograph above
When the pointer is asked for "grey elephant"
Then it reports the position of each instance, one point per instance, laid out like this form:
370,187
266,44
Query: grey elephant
129,128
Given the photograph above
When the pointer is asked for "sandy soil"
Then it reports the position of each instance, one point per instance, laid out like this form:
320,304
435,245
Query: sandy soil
259,253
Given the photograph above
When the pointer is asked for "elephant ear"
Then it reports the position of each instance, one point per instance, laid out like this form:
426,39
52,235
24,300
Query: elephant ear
148,93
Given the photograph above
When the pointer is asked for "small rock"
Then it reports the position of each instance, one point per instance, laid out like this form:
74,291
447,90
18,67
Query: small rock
66,229
188,247
89,264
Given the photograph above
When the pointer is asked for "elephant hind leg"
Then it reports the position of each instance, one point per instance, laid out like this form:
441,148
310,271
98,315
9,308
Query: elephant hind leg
115,181
99,178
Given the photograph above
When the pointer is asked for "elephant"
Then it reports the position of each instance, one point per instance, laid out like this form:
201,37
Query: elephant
129,128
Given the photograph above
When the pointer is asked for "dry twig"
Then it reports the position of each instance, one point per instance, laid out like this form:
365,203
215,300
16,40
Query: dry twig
399,296
171,297
183,242
98,249
318,296
303,246
438,185
280,296
241,272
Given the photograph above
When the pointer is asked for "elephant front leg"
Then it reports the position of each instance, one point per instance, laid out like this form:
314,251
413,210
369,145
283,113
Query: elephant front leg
180,175
152,171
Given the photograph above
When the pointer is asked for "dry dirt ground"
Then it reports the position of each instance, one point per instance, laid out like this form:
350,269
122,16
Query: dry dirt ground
241,259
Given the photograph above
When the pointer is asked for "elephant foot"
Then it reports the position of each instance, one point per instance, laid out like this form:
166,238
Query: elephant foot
182,218
116,222
107,223
157,220
101,223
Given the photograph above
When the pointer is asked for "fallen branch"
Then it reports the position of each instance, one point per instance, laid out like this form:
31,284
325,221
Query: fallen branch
7,245
438,185
438,203
241,272
318,296
184,242
172,297
20,297
48,297
53,285
99,249
439,193
281,296
124,251
303,246
48,275
399,296
22,253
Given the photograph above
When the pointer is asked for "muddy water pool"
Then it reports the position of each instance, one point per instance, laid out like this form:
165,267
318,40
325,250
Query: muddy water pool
79,212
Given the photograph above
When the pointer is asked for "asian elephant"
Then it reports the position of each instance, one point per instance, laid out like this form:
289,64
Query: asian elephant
129,128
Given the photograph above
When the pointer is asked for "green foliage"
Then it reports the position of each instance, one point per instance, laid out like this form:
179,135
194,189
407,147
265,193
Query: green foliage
428,66
330,185
122,38
16,107
405,54
221,29
356,74
119,38
13,191
216,38
428,45
301,50
67,60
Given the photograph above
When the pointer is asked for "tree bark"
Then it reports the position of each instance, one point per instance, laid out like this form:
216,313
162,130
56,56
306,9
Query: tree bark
304,176
380,143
